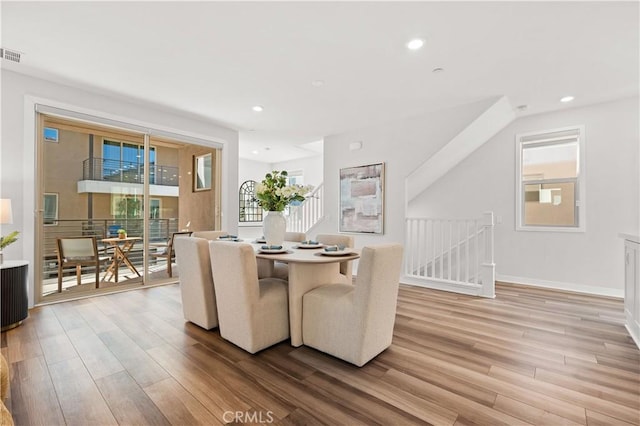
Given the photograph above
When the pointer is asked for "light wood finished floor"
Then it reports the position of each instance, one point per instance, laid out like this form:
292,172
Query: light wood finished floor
531,356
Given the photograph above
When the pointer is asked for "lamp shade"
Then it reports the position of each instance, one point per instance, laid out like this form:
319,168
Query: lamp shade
6,215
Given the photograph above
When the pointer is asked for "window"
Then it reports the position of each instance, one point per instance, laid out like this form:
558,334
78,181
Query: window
295,177
50,209
550,191
126,206
155,205
124,162
250,211
202,172
50,134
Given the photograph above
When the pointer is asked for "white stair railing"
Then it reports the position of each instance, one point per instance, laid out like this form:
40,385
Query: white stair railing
302,217
451,254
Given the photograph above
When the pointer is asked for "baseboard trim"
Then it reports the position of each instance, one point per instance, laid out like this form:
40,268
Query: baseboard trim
633,335
557,285
468,289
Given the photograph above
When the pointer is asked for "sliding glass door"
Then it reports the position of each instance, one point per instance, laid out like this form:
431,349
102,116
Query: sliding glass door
122,192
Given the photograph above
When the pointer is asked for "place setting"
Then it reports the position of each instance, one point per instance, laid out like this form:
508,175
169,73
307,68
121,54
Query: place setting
309,244
272,249
229,238
336,250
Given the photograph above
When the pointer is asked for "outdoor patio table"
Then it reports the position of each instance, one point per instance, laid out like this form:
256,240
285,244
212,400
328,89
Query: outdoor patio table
121,249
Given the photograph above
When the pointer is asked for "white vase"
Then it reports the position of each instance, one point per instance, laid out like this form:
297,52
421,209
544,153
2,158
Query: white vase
274,226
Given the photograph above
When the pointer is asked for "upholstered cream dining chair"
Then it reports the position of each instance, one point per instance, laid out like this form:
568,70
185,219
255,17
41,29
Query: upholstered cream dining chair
355,323
209,235
297,237
281,269
252,314
196,282
346,268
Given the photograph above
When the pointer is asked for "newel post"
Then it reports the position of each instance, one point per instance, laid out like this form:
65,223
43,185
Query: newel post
488,267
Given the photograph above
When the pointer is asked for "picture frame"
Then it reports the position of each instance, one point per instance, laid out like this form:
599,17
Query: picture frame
362,199
202,172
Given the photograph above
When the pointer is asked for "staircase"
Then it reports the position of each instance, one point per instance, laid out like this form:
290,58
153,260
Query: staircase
304,216
452,255
448,254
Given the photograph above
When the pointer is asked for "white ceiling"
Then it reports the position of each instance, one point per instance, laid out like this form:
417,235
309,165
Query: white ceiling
218,59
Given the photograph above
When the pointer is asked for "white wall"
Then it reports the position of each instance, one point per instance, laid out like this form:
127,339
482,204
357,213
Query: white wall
591,261
255,170
402,146
310,166
251,170
17,151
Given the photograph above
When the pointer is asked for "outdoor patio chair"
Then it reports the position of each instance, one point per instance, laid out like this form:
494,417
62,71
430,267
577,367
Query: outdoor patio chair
79,252
166,249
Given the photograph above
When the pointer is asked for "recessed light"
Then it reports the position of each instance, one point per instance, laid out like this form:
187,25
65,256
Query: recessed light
437,70
255,152
317,83
567,99
258,108
415,44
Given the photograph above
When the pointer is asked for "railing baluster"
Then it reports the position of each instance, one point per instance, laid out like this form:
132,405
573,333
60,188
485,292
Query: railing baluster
458,262
415,246
433,248
466,262
450,222
301,218
427,223
422,260
95,168
467,242
476,251
410,244
417,241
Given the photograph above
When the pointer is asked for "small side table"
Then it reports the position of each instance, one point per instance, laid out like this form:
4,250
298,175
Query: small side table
13,294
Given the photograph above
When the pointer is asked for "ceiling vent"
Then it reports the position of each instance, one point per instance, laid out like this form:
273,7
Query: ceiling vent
10,55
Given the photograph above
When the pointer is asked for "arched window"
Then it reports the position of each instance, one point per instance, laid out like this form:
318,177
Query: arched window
250,211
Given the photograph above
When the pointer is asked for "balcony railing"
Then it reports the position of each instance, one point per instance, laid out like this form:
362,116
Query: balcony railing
128,171
159,230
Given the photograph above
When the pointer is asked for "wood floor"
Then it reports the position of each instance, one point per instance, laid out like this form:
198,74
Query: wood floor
531,356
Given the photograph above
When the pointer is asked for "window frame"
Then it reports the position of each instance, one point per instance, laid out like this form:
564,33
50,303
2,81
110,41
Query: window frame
242,193
541,138
159,201
294,175
121,154
57,211
53,130
203,175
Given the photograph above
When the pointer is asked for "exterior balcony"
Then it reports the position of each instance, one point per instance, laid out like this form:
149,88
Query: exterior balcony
102,176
